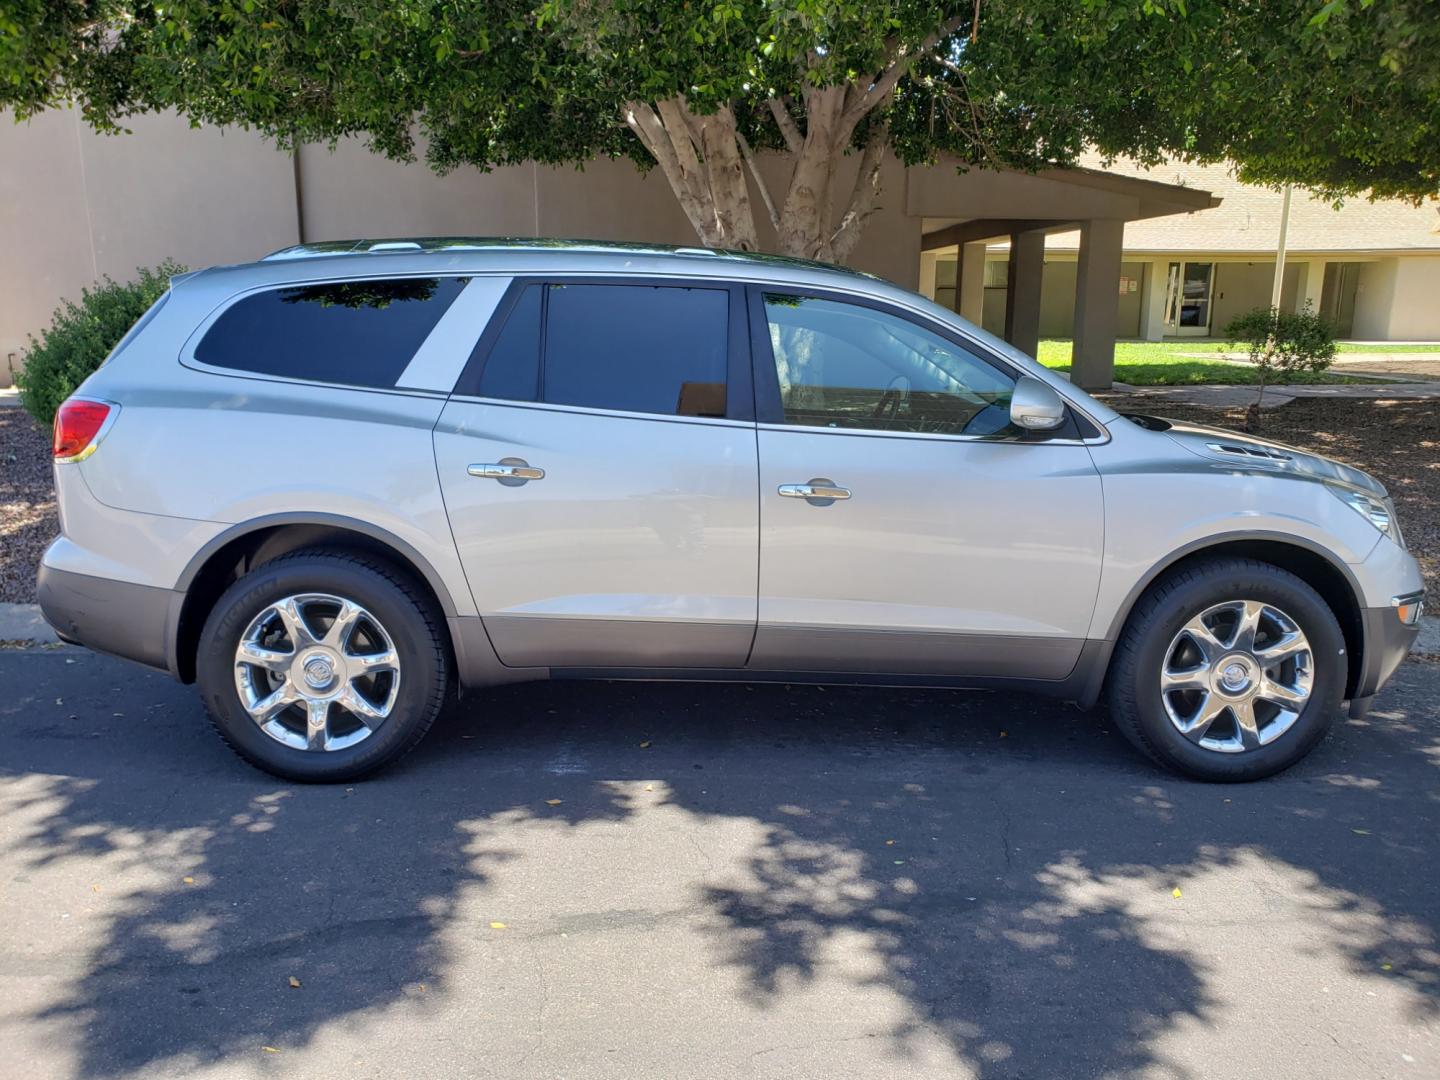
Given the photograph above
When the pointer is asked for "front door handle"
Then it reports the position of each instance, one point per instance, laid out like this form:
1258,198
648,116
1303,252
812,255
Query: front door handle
512,472
817,492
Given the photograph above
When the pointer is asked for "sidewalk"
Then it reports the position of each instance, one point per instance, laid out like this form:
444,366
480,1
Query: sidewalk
1233,397
23,623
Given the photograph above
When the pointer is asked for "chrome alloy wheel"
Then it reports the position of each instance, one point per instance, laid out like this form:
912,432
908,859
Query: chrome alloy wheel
1237,676
317,672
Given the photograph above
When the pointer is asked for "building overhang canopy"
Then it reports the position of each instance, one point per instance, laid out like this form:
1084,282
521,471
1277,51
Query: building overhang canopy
982,204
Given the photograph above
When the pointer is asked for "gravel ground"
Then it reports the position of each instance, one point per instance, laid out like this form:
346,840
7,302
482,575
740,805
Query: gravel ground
27,503
1398,441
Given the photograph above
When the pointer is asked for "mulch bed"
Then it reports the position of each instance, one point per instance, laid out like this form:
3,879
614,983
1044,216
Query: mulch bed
27,503
1397,441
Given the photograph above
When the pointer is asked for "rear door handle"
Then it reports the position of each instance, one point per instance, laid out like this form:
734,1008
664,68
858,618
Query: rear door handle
817,492
511,472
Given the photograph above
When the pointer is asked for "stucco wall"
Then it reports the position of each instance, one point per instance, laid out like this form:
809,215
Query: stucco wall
1240,287
1374,297
80,205
1415,310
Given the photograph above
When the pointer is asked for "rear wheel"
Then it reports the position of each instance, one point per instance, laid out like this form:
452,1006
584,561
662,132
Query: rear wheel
1228,670
322,666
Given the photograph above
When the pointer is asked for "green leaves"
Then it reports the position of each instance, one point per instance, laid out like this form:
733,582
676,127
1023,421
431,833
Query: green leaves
1339,96
82,335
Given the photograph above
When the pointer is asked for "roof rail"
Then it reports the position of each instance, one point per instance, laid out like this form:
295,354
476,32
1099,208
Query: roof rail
441,244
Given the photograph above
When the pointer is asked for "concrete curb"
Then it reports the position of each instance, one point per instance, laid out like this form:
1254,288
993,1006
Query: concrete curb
23,622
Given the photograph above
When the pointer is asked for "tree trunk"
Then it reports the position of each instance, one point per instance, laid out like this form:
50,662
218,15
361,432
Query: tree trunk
704,159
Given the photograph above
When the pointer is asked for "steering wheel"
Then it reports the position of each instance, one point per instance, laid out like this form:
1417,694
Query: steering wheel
893,399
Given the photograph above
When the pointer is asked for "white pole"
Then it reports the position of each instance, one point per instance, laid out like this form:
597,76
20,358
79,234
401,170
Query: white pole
1279,283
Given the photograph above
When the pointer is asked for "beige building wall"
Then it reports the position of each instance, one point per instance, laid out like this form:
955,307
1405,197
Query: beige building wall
1375,299
80,205
1415,306
75,206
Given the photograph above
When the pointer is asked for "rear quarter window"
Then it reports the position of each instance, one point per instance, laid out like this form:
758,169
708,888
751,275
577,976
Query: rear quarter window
357,333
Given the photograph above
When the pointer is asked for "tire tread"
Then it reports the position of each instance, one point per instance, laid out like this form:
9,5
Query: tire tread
1123,675
424,606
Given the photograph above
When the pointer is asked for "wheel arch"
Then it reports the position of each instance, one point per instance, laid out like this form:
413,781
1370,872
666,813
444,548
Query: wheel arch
1310,562
242,547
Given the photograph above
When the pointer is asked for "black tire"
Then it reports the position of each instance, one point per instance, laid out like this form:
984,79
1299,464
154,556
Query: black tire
406,613
1134,682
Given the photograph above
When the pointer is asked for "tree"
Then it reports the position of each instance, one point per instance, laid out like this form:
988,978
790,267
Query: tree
1339,96
1280,343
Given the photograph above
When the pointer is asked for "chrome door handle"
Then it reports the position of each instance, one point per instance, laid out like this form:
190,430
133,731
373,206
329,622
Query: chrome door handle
510,471
818,492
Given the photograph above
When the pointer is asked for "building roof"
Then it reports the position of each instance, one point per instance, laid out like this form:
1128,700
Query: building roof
1247,221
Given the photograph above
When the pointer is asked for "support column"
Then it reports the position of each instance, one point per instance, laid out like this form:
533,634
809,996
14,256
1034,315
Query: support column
1312,286
1022,308
1153,282
928,263
970,282
1097,303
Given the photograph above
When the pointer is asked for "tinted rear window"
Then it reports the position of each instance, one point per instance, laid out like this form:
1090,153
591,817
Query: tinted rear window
360,333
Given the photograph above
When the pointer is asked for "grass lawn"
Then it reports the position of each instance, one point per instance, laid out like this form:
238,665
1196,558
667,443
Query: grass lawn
1384,347
1163,363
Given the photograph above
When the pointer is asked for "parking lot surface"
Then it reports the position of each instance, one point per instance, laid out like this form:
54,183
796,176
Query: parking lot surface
642,880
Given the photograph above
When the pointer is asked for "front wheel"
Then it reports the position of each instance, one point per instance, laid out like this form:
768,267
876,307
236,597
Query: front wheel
1228,670
322,666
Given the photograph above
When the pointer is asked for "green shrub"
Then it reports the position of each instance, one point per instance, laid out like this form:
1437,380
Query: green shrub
1281,342
81,336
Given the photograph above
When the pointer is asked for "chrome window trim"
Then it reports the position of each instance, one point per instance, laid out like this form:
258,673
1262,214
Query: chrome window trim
583,410
929,436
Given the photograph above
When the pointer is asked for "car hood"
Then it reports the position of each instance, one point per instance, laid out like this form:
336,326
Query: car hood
1228,448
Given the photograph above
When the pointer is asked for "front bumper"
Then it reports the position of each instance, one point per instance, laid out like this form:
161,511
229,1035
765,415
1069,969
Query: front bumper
116,617
1387,642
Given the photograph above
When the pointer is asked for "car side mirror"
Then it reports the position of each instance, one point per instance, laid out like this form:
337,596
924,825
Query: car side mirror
1035,406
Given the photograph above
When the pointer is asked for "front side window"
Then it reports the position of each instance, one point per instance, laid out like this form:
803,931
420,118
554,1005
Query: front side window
630,348
845,365
356,333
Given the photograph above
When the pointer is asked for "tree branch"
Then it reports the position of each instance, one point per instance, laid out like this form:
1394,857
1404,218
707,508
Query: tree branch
785,120
647,126
759,180
886,80
863,195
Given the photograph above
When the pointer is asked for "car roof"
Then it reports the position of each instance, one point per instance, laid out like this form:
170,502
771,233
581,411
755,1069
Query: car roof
562,247
341,260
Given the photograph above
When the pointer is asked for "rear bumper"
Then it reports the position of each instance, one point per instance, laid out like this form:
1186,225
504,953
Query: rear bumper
116,617
1387,641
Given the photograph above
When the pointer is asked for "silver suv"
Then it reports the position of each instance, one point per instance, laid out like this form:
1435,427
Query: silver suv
336,485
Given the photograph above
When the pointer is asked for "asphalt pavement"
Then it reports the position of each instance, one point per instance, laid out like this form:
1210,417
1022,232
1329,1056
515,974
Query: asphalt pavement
640,880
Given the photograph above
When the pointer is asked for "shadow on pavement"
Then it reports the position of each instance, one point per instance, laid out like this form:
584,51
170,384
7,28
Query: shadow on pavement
1000,867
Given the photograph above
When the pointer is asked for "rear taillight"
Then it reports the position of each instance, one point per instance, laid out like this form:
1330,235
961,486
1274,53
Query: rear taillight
78,425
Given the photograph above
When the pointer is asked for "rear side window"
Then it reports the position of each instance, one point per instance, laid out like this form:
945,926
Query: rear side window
631,348
358,333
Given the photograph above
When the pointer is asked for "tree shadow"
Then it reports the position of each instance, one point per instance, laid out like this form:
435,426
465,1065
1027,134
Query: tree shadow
986,880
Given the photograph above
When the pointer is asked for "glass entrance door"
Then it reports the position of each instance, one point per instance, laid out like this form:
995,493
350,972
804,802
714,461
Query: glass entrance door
1187,298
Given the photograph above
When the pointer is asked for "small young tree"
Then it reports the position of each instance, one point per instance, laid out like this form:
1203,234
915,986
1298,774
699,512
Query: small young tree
1279,343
